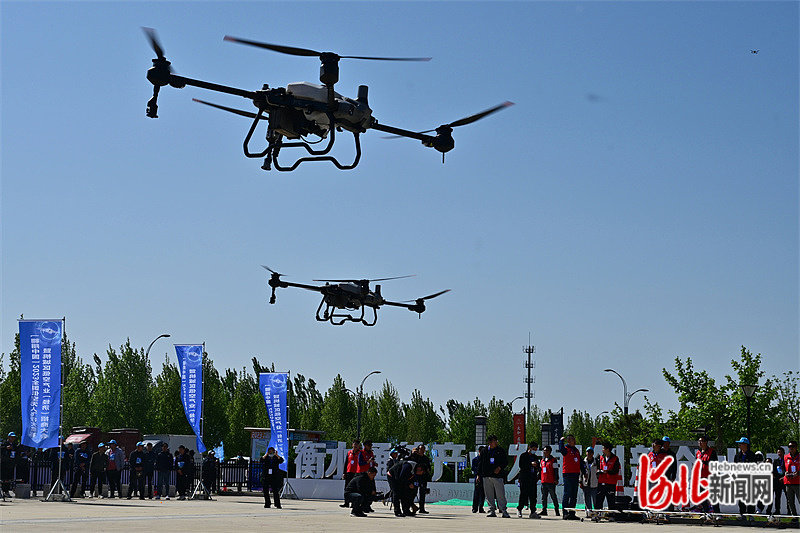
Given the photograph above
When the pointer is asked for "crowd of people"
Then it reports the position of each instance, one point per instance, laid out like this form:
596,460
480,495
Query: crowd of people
81,468
598,477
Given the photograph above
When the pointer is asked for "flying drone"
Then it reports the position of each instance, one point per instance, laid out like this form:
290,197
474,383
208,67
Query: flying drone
342,295
303,109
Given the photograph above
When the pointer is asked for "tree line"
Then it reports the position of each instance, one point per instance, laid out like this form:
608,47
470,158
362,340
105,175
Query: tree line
123,391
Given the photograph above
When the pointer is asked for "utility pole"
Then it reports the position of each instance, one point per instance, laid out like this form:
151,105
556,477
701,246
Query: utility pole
529,364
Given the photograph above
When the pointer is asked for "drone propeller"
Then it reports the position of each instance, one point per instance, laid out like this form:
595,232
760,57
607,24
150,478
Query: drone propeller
247,114
153,38
159,73
291,50
363,280
464,121
429,297
273,272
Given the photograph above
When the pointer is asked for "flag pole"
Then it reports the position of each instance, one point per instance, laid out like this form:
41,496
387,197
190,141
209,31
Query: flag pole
200,483
58,482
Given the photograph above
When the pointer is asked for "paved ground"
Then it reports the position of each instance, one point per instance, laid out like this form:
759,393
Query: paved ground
240,514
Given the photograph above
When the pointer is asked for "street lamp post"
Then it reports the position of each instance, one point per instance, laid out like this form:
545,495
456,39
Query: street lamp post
147,353
360,399
627,397
749,391
511,403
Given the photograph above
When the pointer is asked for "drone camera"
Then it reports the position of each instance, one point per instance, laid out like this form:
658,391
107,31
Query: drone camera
363,91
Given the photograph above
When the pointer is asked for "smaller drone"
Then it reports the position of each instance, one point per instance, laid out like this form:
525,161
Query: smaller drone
349,294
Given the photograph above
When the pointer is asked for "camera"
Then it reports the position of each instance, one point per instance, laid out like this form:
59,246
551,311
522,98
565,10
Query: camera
402,452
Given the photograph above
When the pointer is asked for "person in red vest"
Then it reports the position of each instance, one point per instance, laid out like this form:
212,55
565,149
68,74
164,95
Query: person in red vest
705,455
791,479
549,469
366,460
571,468
657,454
608,468
351,466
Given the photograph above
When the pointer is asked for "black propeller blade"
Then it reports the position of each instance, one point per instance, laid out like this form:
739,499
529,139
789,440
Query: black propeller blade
429,297
247,114
363,280
268,268
464,121
153,38
291,50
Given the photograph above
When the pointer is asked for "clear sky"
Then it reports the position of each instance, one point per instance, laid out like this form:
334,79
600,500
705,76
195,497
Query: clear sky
638,203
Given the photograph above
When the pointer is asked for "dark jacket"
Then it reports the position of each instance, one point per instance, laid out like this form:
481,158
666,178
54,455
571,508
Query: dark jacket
362,484
136,460
747,457
82,458
150,461
491,459
182,464
529,469
423,461
210,467
270,468
164,461
778,471
672,471
402,472
99,462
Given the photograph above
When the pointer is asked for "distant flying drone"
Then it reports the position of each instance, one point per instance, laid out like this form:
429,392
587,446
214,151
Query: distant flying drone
349,294
753,51
303,109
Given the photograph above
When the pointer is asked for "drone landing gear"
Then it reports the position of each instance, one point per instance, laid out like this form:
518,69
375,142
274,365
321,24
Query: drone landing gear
275,143
330,315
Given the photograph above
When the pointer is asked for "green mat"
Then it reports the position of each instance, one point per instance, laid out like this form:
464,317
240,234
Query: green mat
468,503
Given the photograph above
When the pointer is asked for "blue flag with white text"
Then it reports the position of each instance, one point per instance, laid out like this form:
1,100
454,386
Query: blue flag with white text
190,364
40,381
273,389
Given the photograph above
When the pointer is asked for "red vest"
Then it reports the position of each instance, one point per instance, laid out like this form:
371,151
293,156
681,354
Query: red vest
364,461
605,467
352,461
548,470
656,458
571,461
705,458
792,467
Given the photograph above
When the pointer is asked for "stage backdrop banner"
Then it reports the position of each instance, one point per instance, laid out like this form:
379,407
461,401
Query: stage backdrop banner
40,381
273,389
190,363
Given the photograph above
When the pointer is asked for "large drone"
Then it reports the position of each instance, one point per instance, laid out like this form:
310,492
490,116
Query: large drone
303,109
339,295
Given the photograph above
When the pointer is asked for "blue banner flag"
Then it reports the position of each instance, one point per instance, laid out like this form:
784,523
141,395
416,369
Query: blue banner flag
190,364
273,389
40,381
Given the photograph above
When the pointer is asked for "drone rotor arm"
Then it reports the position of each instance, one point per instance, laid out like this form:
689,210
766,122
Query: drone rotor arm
235,111
402,133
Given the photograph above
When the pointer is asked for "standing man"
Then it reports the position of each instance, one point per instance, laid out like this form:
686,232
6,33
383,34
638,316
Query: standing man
672,471
571,468
528,476
116,462
209,473
81,469
272,477
8,461
493,472
149,468
549,476
589,479
478,496
136,460
419,457
180,469
164,464
705,455
607,475
745,455
778,471
351,466
791,479
97,470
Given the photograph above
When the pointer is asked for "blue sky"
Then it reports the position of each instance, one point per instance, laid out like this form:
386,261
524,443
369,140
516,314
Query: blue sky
638,203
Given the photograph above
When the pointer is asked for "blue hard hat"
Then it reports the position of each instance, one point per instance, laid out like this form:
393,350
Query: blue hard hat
112,441
665,438
743,440
140,443
394,450
12,434
101,445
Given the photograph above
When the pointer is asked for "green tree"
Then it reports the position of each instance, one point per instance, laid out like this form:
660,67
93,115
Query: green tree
79,386
123,394
10,408
422,421
582,425
390,418
461,421
789,402
168,415
338,417
500,422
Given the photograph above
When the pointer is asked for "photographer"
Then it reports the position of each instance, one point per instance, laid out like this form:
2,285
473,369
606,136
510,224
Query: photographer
361,492
272,477
403,479
422,460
